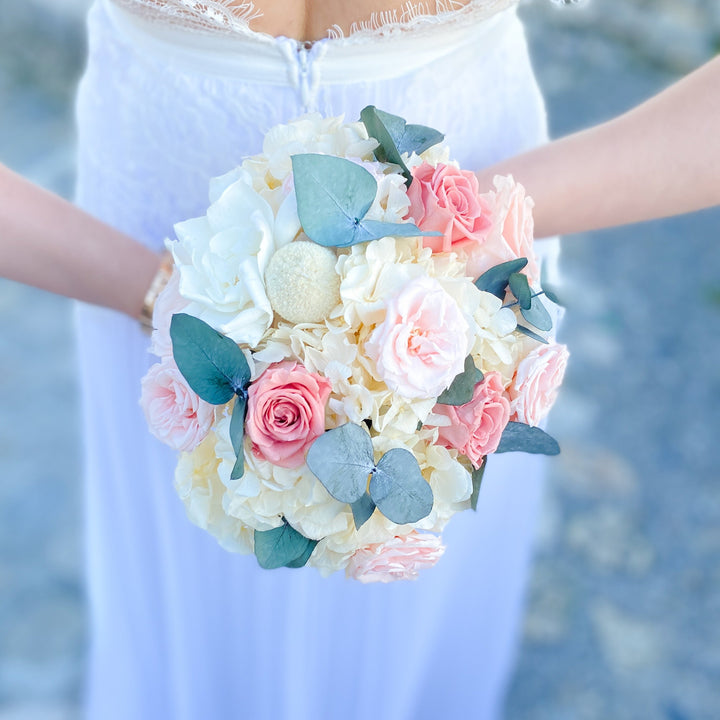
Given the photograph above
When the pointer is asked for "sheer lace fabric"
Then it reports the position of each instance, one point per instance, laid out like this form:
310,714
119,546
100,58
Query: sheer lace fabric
222,16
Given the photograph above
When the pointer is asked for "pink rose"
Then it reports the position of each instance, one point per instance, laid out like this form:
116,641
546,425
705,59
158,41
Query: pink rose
512,230
421,344
174,413
476,427
286,412
399,558
169,302
445,199
536,383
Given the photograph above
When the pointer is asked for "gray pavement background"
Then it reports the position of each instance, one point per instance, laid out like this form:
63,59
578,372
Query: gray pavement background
622,614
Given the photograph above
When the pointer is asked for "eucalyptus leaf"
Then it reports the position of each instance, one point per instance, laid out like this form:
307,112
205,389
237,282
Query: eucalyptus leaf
519,437
333,196
213,365
342,460
537,315
463,386
302,560
477,478
527,331
396,137
362,510
496,279
375,230
552,296
548,287
237,435
398,488
520,288
280,546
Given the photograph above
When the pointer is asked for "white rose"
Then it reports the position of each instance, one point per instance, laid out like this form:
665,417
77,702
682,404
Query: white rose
222,258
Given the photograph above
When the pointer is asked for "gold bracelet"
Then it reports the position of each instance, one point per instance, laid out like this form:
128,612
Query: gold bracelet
162,276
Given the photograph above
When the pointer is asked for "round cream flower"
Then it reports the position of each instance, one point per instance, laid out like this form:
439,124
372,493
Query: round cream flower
301,282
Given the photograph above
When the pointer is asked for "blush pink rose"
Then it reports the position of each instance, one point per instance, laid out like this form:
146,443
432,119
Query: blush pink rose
286,412
421,345
168,302
174,413
512,231
476,427
536,383
397,559
447,200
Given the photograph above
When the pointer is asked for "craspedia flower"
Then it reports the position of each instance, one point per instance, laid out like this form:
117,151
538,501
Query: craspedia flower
301,282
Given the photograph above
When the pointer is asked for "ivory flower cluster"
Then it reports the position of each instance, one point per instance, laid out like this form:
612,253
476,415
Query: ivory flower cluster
379,334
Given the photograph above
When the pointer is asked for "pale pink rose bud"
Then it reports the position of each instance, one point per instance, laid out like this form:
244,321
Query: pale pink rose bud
286,413
536,383
511,236
445,199
476,428
421,345
174,413
168,302
400,558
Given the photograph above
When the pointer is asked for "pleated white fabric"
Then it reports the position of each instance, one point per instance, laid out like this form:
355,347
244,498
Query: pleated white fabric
180,629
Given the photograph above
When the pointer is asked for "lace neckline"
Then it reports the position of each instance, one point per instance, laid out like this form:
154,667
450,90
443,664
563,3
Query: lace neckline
230,18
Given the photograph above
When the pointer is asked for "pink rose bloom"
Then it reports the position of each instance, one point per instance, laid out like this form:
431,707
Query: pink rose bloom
169,302
536,383
512,231
286,412
174,413
397,559
476,427
447,200
421,345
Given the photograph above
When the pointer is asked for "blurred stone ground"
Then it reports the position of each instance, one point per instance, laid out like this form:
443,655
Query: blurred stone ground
622,615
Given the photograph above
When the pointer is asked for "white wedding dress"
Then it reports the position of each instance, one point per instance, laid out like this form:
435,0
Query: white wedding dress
181,629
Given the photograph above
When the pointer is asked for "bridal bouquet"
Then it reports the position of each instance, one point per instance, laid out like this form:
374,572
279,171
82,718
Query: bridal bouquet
349,332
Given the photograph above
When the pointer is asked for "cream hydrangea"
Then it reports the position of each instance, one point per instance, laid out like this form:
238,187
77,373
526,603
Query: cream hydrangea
310,133
198,485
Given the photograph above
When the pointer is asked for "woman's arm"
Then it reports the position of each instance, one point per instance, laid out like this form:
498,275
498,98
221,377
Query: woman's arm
47,242
660,159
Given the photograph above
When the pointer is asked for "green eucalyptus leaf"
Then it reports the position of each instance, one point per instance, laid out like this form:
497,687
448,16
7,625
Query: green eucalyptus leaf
333,196
520,288
398,488
477,478
537,315
552,295
519,437
213,365
496,279
237,435
527,331
463,386
375,229
342,460
548,288
396,137
362,509
280,546
302,560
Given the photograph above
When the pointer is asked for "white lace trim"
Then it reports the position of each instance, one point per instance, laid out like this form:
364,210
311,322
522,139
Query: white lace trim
230,18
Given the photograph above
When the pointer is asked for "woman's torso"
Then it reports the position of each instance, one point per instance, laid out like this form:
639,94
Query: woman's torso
182,629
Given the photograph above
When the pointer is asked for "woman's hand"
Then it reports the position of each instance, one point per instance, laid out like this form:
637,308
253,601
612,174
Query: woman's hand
662,158
47,242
